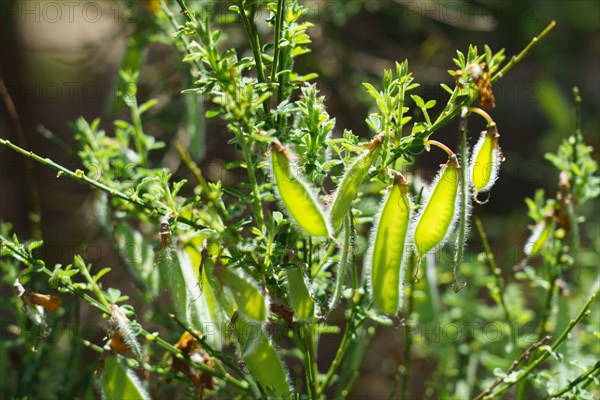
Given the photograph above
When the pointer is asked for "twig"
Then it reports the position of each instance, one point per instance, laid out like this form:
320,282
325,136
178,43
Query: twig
464,198
587,375
513,366
80,176
548,350
515,59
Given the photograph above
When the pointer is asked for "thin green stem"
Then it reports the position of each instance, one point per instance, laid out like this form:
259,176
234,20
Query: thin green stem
441,146
515,59
349,330
80,176
344,257
250,27
138,132
587,375
485,115
307,333
250,164
279,18
217,203
405,369
584,311
93,284
500,287
513,366
464,198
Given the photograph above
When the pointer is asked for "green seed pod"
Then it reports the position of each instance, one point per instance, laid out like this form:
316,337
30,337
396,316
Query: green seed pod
300,298
485,161
539,237
296,195
171,273
354,177
250,301
120,382
438,214
261,359
388,240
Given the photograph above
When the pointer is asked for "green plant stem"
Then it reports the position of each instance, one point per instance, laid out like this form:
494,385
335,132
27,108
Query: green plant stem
279,18
513,367
500,286
186,43
138,132
95,288
485,115
351,326
547,351
217,202
312,373
252,33
256,203
464,191
441,146
587,375
409,339
515,59
81,177
344,258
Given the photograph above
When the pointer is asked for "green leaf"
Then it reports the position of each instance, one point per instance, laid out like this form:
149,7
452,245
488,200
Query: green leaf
418,100
34,245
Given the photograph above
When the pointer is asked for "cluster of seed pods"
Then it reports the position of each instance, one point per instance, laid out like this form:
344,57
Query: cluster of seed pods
397,233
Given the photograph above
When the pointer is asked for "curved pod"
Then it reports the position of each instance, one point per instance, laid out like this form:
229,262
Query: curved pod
540,235
388,248
295,194
350,183
485,161
439,213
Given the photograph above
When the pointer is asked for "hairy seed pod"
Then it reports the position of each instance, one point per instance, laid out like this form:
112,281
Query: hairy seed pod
260,358
485,161
439,212
120,382
296,195
249,299
300,298
171,273
353,178
388,247
539,236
